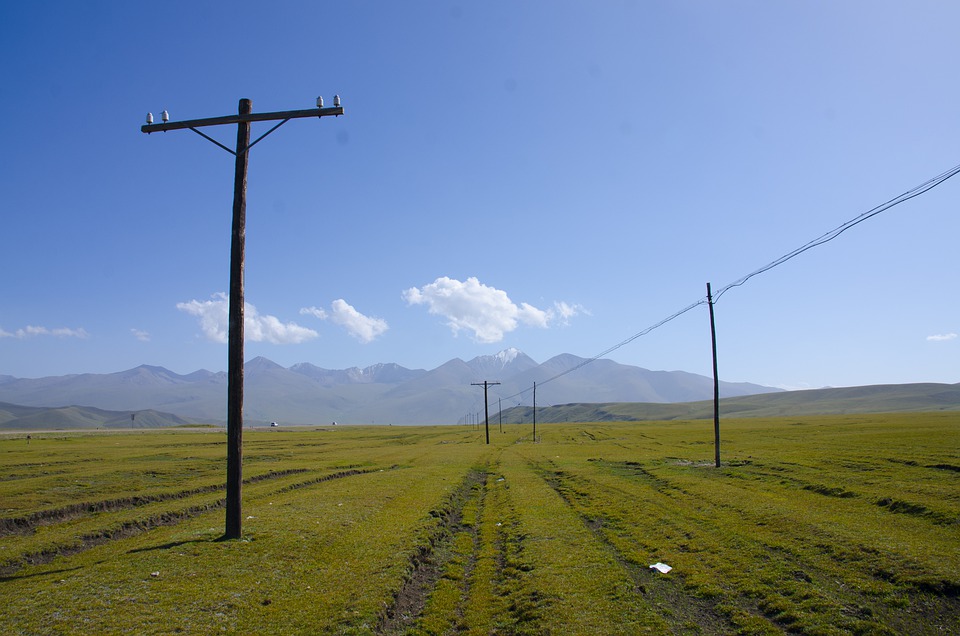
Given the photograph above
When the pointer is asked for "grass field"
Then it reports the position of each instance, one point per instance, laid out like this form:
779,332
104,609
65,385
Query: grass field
813,525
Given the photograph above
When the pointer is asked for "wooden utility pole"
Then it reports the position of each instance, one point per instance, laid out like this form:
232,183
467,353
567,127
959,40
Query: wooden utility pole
243,118
486,405
235,333
716,381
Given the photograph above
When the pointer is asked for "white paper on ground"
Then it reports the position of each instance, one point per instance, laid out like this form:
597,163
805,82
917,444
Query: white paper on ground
661,567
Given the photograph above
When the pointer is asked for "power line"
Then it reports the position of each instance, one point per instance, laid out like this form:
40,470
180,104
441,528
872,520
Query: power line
824,238
837,231
606,352
625,342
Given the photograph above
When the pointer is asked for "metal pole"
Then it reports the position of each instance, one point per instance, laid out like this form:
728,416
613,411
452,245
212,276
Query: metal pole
534,412
486,405
486,411
235,337
716,381
500,411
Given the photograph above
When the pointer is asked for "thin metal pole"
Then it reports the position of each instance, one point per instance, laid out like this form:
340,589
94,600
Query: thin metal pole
235,335
500,411
486,411
486,405
534,412
716,381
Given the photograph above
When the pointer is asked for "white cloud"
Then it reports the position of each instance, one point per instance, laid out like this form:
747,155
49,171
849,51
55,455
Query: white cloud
486,312
31,331
140,335
364,328
316,312
530,315
214,322
566,311
941,337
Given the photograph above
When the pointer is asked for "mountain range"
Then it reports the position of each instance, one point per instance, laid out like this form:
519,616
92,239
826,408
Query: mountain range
305,394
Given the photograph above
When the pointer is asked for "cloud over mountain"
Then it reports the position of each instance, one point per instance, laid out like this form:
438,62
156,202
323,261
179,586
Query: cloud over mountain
485,312
364,328
214,322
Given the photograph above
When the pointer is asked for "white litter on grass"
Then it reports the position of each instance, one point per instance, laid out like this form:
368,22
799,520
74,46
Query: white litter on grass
663,568
154,574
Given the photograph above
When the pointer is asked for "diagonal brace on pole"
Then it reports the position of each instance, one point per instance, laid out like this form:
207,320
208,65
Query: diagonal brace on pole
212,140
248,146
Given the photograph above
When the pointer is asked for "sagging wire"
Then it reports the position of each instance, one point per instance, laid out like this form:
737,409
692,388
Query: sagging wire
824,238
837,231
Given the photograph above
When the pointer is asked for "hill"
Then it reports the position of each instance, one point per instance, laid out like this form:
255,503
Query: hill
891,398
35,418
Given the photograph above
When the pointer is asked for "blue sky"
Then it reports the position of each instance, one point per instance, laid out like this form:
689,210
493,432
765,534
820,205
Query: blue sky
550,176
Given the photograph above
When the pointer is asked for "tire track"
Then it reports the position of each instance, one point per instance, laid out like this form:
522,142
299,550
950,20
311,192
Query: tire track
28,523
470,575
664,592
429,559
781,593
134,527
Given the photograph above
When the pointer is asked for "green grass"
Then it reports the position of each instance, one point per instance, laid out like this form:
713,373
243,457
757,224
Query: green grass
813,525
893,398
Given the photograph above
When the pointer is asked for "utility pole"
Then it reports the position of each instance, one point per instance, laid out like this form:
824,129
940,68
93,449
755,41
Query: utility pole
486,406
716,381
243,119
534,412
500,411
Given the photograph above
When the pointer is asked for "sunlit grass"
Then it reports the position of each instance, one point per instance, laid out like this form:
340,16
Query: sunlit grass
815,525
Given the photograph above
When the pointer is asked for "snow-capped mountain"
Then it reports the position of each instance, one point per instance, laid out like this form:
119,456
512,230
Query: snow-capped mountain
381,393
502,365
388,373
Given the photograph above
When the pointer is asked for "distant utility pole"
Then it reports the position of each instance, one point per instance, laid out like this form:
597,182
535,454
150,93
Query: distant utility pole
243,118
534,412
500,411
486,409
716,381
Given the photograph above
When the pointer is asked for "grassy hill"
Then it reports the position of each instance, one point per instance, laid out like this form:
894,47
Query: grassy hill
36,418
892,398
